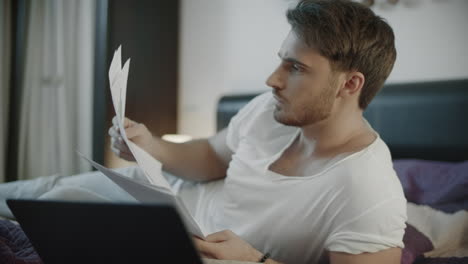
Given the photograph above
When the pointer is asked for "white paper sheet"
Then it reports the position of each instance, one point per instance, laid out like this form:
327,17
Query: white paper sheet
116,66
159,191
151,167
147,193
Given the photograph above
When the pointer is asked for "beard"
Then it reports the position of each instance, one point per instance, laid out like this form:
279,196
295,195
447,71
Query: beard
306,113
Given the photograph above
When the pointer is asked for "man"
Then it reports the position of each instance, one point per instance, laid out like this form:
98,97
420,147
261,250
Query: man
298,176
304,175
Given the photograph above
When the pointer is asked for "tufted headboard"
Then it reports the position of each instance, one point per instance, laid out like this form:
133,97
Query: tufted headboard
423,120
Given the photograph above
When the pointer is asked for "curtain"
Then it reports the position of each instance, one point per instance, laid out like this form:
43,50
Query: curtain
56,102
5,59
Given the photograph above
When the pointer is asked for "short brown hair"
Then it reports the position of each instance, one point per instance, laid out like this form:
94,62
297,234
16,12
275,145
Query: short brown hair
351,36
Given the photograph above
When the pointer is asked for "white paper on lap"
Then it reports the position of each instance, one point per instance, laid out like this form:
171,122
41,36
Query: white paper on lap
147,193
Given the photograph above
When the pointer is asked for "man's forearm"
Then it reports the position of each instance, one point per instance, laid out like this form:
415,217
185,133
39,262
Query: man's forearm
194,160
270,261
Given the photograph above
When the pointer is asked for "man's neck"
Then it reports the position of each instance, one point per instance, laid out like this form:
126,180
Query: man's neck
336,134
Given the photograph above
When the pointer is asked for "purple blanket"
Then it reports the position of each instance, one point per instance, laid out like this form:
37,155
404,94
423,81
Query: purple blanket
440,185
15,247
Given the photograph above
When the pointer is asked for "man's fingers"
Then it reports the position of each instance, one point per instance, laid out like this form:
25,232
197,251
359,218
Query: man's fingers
219,236
121,154
114,132
206,249
114,121
120,145
128,123
116,151
119,149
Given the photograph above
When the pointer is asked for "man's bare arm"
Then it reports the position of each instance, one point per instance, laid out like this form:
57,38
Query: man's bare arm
197,160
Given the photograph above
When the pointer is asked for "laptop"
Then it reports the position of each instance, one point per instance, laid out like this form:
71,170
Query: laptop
83,232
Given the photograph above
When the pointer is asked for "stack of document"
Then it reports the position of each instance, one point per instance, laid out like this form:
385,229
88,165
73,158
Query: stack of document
156,189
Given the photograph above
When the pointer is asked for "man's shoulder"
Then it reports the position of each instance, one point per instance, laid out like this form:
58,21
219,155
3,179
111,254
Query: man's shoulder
370,160
370,174
368,185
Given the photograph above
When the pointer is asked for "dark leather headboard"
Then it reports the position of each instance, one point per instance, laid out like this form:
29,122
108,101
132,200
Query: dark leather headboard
424,120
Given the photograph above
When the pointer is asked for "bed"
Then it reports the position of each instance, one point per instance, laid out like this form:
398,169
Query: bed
425,125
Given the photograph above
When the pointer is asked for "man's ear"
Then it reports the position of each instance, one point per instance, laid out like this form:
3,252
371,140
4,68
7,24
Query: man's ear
353,83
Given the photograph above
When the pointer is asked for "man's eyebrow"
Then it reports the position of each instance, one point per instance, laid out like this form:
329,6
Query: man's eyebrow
292,60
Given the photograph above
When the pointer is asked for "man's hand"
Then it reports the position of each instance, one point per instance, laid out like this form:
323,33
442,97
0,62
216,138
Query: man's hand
137,133
227,246
196,160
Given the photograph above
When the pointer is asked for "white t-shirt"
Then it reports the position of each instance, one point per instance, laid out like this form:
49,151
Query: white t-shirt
354,204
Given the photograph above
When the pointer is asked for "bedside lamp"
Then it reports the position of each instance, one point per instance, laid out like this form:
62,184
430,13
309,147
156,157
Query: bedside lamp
176,138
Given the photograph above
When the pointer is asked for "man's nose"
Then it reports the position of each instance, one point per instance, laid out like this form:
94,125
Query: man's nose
275,80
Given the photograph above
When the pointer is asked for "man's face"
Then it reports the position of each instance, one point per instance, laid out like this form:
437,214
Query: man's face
303,84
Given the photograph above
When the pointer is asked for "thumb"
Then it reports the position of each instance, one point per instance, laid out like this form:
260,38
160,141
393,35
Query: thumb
218,236
133,131
206,248
128,122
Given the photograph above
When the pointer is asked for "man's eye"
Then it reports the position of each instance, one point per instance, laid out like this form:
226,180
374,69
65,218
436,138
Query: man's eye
296,68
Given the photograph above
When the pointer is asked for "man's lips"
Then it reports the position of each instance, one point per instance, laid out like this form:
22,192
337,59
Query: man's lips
278,98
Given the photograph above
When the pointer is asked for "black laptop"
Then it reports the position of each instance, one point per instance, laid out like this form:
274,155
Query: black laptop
82,232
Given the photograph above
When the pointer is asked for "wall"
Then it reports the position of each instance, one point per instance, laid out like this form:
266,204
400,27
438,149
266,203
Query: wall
431,39
230,46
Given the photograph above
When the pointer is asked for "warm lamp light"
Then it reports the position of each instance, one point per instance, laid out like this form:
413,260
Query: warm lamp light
177,138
